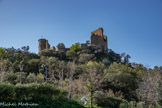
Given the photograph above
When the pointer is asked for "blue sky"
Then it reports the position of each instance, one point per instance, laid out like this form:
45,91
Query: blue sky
132,26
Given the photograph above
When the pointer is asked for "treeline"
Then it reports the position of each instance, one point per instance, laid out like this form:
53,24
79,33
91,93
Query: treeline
91,76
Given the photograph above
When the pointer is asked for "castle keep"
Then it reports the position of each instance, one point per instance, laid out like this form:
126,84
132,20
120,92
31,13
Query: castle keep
43,44
97,40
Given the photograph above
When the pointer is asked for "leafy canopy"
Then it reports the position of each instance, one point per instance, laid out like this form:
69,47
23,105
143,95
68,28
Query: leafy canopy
76,47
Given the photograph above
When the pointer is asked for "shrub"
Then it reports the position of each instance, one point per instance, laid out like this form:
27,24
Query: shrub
59,104
44,95
6,92
14,78
77,97
30,92
140,105
31,78
76,47
132,104
41,91
40,78
11,78
71,54
104,100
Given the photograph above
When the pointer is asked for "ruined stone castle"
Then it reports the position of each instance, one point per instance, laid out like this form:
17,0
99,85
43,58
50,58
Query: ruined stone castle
97,40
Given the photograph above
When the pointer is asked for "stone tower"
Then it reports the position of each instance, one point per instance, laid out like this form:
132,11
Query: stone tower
43,44
98,39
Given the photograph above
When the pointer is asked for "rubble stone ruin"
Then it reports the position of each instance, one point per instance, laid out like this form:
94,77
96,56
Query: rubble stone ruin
97,40
43,44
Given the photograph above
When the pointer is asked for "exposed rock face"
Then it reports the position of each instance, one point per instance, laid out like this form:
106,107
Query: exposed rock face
98,39
43,44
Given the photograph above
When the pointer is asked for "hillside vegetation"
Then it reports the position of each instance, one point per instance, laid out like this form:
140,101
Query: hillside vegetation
77,79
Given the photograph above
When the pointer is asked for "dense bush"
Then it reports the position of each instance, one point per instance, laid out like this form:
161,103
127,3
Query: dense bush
6,92
65,104
121,77
30,92
11,78
134,104
76,47
45,95
104,100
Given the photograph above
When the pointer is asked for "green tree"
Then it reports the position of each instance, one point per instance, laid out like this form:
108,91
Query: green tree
46,53
52,68
2,53
59,54
114,57
98,65
3,68
14,78
121,77
34,65
61,46
25,48
94,81
62,71
76,47
71,54
40,78
84,58
22,77
31,78
11,78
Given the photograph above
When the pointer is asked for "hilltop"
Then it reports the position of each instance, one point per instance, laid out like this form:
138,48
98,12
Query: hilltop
83,75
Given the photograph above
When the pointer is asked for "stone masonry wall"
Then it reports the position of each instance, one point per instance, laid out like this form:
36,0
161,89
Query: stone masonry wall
43,44
98,39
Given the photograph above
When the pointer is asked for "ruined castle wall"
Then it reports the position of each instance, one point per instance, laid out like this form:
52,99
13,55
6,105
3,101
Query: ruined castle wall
84,46
43,44
47,45
98,32
98,39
